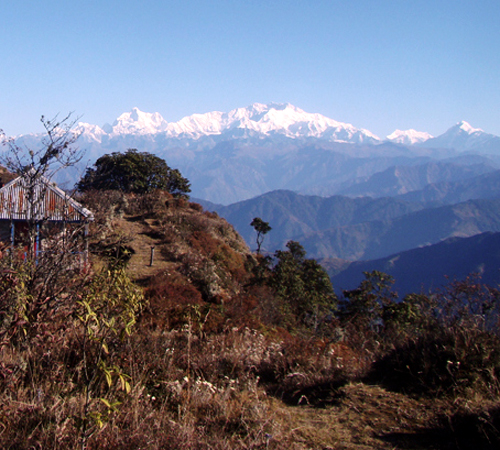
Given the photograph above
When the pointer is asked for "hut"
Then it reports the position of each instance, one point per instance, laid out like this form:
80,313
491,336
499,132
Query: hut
33,208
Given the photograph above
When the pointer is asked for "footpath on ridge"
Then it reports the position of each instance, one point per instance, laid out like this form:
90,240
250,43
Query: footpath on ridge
142,239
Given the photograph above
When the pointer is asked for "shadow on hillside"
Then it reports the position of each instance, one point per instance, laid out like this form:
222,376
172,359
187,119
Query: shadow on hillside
154,234
318,395
461,431
138,218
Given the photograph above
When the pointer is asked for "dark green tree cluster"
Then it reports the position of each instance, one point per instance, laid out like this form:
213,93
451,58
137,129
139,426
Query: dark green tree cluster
303,284
370,303
134,172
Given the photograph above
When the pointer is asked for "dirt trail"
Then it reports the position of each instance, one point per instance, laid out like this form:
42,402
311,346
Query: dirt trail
143,236
362,417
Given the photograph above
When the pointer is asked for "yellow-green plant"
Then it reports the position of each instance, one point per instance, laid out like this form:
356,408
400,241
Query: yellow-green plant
105,314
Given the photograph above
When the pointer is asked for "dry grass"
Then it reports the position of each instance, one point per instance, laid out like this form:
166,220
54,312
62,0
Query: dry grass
194,390
207,364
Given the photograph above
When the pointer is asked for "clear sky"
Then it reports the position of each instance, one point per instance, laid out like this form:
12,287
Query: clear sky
378,64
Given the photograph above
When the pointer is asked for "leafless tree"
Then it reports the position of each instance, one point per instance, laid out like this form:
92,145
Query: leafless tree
37,167
57,150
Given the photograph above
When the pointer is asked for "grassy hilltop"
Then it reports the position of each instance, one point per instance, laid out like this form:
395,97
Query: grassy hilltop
215,347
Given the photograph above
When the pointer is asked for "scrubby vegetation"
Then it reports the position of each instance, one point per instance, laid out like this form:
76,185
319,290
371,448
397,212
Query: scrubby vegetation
210,346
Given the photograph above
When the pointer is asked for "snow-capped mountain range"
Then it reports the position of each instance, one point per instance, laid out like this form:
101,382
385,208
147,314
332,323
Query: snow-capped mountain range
281,119
274,119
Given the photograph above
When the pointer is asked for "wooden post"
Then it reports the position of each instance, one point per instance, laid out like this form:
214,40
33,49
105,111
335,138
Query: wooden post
152,255
86,253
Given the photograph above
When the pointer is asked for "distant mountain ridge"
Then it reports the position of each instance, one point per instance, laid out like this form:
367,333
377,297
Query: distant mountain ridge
283,119
485,186
431,267
463,137
403,179
358,228
246,152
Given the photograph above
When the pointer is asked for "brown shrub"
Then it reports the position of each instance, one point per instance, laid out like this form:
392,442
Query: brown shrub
149,204
169,295
195,206
105,204
203,243
211,214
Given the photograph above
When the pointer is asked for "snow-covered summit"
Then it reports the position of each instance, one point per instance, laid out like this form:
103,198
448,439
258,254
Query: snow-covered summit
408,137
466,127
91,132
138,122
461,136
293,122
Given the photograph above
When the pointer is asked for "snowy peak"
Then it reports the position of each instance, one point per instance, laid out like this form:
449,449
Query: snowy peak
91,133
463,137
138,122
293,122
465,127
408,137
196,126
274,118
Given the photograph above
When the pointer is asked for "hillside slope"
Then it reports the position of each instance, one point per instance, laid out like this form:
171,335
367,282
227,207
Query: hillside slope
400,180
185,241
431,267
485,186
359,228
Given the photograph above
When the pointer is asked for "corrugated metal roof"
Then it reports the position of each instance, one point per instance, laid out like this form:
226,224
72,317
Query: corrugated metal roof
42,201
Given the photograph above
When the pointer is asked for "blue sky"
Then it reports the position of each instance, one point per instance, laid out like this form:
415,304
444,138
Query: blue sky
378,64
